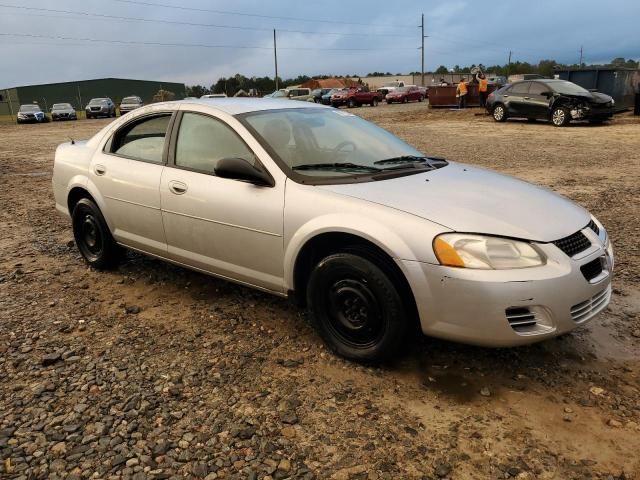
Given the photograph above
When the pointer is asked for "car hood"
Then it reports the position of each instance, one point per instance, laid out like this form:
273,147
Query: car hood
595,97
471,199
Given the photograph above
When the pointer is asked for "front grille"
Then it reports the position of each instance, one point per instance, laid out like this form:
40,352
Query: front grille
573,244
521,319
585,310
592,269
592,225
95,109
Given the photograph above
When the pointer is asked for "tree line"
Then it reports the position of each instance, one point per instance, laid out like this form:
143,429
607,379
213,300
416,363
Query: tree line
232,85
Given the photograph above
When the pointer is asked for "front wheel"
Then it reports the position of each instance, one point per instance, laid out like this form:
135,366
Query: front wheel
405,100
560,117
351,103
499,113
93,237
356,308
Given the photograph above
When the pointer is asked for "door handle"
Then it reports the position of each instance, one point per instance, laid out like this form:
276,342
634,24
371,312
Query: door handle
527,98
100,169
505,96
177,188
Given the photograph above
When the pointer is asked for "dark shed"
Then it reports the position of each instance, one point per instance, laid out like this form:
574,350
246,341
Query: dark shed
619,83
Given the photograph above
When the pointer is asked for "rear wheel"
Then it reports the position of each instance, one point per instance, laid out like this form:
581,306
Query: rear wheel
356,308
405,99
374,102
560,117
93,237
499,113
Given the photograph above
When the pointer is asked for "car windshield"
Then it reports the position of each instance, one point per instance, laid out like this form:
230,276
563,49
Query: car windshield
568,88
98,101
328,142
61,106
130,100
30,108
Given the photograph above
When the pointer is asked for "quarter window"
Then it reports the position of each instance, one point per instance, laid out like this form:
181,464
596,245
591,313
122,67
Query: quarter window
203,141
143,140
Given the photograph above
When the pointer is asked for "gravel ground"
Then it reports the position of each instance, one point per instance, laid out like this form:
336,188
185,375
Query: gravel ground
152,371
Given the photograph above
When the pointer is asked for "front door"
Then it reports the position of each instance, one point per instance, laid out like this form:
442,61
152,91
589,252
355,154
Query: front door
127,173
227,227
538,104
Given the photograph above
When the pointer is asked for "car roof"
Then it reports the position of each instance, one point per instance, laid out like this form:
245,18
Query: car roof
235,106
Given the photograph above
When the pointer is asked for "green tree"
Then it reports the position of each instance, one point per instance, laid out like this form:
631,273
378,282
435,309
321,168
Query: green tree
442,69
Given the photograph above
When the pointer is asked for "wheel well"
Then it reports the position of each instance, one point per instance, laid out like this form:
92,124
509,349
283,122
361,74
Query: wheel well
326,244
74,197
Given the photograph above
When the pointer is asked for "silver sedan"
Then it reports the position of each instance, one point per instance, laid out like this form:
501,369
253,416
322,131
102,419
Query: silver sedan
317,204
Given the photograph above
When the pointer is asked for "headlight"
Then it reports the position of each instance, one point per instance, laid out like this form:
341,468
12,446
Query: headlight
485,252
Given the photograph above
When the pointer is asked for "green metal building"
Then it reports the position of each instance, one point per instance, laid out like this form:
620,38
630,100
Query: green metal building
79,93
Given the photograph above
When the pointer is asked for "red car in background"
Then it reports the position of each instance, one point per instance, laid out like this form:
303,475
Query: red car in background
354,97
406,94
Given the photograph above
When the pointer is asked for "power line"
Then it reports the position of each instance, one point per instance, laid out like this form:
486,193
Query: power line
191,45
257,15
192,24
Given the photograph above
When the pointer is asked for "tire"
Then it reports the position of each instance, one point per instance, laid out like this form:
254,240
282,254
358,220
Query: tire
560,117
499,112
351,103
374,102
356,308
92,236
405,99
421,98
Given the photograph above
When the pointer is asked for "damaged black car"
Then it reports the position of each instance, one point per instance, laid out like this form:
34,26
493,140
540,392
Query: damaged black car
558,101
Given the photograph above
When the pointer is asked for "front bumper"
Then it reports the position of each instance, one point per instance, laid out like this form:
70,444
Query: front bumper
502,308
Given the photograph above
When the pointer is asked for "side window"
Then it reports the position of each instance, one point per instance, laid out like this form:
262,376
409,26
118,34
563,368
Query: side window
537,88
144,140
520,87
203,141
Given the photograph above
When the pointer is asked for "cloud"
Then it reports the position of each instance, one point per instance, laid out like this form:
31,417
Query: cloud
460,32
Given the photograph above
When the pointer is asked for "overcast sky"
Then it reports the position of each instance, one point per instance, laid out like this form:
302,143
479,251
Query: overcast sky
382,36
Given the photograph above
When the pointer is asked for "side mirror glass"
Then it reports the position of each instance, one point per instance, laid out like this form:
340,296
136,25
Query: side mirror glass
546,94
240,169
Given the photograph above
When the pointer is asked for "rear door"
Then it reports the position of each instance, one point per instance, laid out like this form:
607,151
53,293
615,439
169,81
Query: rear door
515,99
127,173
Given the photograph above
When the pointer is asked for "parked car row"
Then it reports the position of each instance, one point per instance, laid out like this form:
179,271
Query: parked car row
97,107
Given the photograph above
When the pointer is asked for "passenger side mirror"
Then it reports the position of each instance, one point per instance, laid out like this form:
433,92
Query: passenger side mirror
240,169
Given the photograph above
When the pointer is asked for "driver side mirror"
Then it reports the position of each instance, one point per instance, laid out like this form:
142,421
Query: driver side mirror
240,169
547,94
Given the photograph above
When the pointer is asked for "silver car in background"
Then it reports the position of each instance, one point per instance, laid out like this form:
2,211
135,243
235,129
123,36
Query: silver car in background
63,111
130,103
318,204
100,107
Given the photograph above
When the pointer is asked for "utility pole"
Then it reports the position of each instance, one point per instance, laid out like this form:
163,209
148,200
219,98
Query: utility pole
422,37
580,64
275,56
509,67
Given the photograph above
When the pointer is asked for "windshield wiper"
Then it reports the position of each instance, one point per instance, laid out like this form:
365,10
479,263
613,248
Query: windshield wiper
335,166
402,159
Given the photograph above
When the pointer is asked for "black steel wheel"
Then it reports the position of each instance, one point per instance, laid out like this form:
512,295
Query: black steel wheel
92,236
356,308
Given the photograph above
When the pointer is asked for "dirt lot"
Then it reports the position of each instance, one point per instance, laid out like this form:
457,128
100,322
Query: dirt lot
152,371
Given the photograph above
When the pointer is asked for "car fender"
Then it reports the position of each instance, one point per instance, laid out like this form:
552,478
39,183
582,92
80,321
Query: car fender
349,223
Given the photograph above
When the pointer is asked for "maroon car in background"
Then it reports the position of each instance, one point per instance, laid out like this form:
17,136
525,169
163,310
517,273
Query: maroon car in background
354,97
406,94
